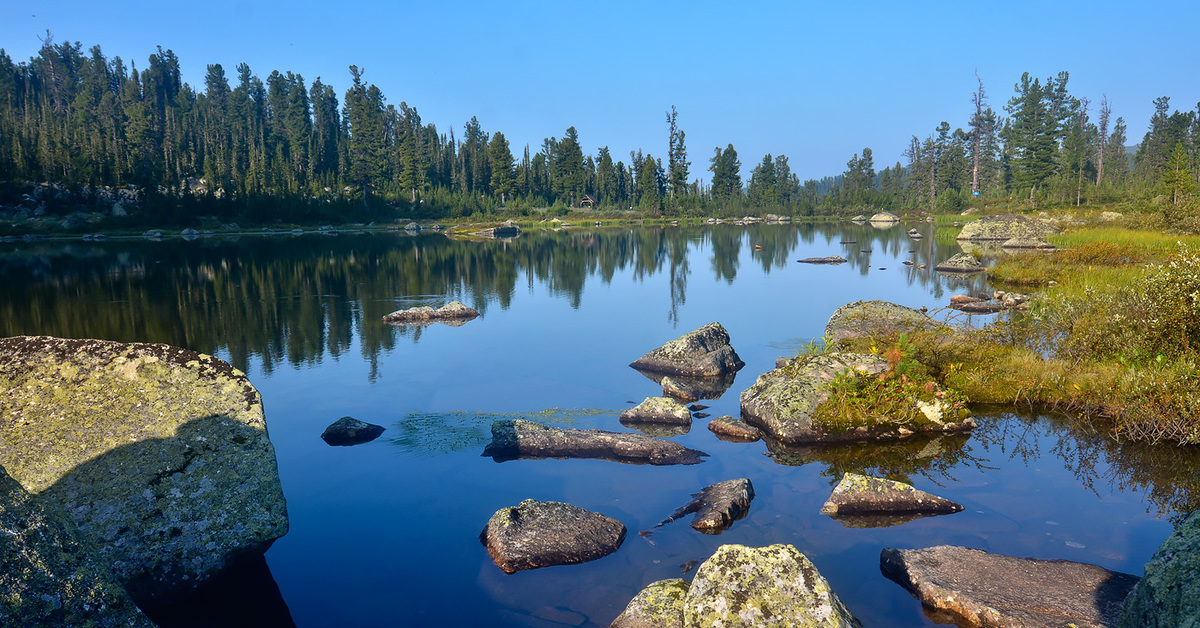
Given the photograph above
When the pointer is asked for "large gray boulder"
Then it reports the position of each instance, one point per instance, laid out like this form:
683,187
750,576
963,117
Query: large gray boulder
704,352
49,574
517,438
982,589
158,455
542,534
1007,226
1169,592
865,318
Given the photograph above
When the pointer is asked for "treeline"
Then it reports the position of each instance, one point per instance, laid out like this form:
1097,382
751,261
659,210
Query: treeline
286,149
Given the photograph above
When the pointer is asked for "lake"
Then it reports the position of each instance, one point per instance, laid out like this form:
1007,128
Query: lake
386,533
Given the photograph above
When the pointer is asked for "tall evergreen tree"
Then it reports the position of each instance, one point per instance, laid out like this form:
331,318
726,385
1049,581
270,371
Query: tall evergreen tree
726,177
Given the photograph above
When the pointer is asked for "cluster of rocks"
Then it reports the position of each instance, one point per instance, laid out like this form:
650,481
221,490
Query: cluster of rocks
998,302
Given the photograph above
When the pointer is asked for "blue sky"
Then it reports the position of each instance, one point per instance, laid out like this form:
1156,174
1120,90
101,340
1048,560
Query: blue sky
816,81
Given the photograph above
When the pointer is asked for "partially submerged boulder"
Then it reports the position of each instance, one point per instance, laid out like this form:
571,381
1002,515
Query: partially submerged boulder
682,386
507,229
960,263
831,259
716,506
982,589
866,318
348,431
518,438
159,455
680,390
543,534
1169,592
452,311
704,352
658,410
885,218
862,495
50,575
1007,226
729,428
659,605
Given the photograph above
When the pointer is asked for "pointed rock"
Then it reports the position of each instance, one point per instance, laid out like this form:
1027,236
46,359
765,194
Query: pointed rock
862,495
704,352
717,506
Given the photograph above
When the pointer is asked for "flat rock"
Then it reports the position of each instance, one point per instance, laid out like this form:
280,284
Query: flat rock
452,311
659,605
982,589
767,586
980,307
861,495
1169,592
832,259
960,263
658,410
716,506
537,534
865,318
158,455
518,438
1007,226
50,575
679,390
348,431
705,352
729,428
1026,243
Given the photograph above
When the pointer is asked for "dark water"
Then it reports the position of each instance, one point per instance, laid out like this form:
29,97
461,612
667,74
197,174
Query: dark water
385,534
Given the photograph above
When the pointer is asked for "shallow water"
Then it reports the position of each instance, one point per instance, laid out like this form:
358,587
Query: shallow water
386,533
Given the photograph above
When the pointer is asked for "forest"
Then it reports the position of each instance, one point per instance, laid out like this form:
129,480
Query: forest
286,150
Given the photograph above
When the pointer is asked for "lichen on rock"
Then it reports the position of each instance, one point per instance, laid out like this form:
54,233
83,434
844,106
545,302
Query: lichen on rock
659,605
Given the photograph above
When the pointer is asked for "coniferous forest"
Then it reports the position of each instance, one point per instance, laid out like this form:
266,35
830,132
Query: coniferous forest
241,147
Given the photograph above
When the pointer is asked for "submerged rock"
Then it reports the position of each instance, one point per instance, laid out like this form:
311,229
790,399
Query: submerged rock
1007,226
716,506
659,605
861,495
348,431
832,259
518,438
960,263
729,428
982,589
49,574
704,352
1169,593
657,410
679,386
677,389
452,311
865,318
543,534
159,455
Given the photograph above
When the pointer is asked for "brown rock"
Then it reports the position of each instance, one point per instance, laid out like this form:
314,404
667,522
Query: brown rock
734,429
679,390
542,534
717,506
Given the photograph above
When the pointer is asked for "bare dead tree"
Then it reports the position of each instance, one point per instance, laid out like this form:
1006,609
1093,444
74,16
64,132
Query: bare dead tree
1102,145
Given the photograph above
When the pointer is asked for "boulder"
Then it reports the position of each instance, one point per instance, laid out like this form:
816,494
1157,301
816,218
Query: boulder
658,410
768,586
680,390
979,307
861,495
1169,592
704,352
867,318
518,438
729,428
508,229
859,219
716,506
1110,216
543,534
49,574
681,386
885,217
1026,243
1007,226
832,259
659,605
452,311
159,455
348,431
960,263
982,589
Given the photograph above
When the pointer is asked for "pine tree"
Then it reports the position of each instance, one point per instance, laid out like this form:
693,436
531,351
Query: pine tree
503,181
726,169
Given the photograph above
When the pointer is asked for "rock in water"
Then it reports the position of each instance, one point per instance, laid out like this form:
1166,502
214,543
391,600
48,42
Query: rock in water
831,259
452,311
717,506
960,263
730,428
679,390
348,431
861,495
1169,593
518,438
657,410
768,586
659,605
49,574
542,534
159,455
1007,226
704,352
863,318
982,589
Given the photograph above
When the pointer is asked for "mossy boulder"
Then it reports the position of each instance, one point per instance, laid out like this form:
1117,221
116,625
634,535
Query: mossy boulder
49,574
1169,592
960,263
868,318
659,605
159,455
658,410
1007,226
705,352
537,534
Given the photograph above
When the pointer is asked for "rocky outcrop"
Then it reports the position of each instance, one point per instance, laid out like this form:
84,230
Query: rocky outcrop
832,259
537,534
657,410
960,263
716,506
866,318
729,428
49,574
452,311
158,455
1169,592
348,431
518,438
659,605
704,352
980,589
857,495
1007,226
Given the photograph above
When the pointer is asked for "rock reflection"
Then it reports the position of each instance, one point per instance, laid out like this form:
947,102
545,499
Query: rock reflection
932,456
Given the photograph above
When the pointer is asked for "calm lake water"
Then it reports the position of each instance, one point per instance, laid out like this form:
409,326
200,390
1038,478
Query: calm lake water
386,533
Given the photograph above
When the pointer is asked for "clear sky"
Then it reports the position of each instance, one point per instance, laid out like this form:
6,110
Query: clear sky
816,81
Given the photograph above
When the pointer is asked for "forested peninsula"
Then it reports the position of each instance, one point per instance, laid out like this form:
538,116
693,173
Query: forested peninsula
83,135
